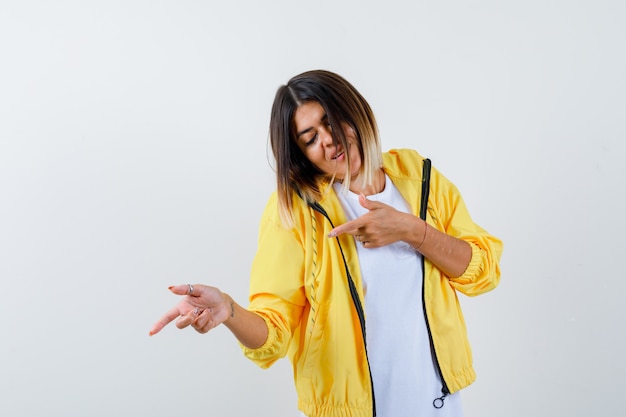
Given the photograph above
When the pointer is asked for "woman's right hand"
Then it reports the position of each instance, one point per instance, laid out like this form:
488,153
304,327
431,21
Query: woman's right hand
203,308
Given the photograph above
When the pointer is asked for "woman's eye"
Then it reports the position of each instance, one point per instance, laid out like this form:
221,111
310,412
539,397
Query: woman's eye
311,141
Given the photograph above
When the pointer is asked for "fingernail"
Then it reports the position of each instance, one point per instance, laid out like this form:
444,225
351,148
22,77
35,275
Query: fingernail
170,287
332,234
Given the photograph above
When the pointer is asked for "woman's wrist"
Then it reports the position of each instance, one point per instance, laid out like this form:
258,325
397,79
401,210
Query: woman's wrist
419,245
229,305
248,327
417,231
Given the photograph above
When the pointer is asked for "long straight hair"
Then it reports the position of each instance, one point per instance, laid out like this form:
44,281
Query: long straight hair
343,104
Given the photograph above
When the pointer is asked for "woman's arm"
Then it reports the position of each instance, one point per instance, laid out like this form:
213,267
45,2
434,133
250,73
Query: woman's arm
448,253
248,327
383,225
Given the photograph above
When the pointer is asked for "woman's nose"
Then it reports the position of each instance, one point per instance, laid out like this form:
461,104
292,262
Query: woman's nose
326,136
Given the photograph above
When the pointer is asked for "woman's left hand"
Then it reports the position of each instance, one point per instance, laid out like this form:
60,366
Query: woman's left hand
381,225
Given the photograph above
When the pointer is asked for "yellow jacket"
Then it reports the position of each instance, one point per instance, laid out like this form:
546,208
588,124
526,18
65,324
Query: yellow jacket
299,285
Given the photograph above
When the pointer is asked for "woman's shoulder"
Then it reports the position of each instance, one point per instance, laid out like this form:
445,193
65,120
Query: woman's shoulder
271,213
404,162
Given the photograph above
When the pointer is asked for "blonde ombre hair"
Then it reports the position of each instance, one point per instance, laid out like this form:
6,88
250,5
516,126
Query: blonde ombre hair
296,176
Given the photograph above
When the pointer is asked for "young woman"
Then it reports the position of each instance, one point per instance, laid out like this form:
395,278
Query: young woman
354,280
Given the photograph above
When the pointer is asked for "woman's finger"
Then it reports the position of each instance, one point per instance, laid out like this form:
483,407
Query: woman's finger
186,289
165,320
210,324
202,319
186,320
352,227
205,321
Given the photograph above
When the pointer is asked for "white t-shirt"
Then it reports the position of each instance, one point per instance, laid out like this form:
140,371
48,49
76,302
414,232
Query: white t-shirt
406,380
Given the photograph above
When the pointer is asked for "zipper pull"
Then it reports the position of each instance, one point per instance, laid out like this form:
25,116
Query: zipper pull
439,402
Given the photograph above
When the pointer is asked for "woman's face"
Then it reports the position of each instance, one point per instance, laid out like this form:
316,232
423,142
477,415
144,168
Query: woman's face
314,138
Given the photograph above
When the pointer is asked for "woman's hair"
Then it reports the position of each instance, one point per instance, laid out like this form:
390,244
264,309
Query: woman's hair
343,105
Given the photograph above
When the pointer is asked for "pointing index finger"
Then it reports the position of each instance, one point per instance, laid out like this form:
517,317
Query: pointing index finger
165,320
351,228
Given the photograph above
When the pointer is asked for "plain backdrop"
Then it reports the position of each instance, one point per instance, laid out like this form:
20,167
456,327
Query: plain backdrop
134,155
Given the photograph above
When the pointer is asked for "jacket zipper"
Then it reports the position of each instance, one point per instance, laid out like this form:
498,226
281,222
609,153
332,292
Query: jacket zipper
355,299
437,402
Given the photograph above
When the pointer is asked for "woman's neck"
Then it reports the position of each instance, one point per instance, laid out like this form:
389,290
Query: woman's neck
377,186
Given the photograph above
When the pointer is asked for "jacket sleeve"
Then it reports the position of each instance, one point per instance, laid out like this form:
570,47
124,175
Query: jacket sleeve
276,286
450,214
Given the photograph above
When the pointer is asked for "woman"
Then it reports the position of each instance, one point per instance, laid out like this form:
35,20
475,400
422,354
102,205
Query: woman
349,282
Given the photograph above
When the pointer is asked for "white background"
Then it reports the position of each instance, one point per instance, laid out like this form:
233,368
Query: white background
134,155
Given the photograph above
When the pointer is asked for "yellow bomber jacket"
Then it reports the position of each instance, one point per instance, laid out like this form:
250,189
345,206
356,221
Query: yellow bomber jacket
299,285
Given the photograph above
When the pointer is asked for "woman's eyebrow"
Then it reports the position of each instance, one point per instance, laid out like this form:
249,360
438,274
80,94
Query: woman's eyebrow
302,132
308,129
324,119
